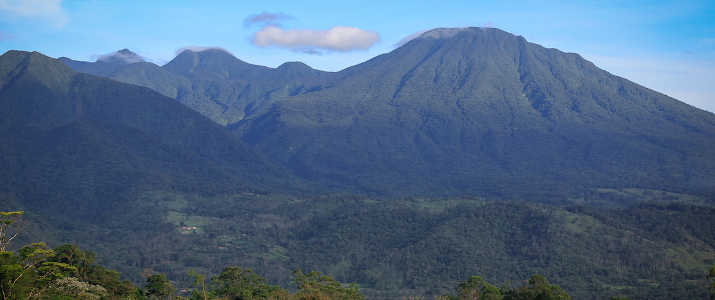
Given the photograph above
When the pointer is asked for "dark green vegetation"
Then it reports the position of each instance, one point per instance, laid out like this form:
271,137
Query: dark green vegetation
212,82
415,246
453,112
67,272
83,146
537,287
463,152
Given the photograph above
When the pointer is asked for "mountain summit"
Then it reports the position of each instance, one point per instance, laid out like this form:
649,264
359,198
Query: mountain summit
456,110
479,110
213,63
106,65
441,33
124,56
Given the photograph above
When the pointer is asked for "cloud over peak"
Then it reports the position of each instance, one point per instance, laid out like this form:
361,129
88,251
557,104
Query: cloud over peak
338,38
123,56
408,38
200,49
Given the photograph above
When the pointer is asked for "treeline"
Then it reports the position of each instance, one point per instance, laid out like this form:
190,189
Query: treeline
239,283
68,272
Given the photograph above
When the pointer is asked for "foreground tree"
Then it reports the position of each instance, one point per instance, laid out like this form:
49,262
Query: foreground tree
476,288
75,288
711,282
316,286
7,218
537,288
27,273
66,272
199,281
158,287
239,283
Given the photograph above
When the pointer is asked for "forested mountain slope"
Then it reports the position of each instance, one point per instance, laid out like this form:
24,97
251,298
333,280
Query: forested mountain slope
82,145
152,185
452,112
478,110
212,81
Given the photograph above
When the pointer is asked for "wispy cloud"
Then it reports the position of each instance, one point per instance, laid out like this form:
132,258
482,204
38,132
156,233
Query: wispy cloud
408,38
199,49
338,38
49,10
266,18
121,56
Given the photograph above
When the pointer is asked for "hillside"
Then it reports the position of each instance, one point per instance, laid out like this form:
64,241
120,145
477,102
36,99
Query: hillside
466,111
464,152
77,145
482,111
416,246
212,81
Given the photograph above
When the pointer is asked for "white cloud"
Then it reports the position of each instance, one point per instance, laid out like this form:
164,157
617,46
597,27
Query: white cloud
124,56
50,10
690,81
266,18
338,38
199,49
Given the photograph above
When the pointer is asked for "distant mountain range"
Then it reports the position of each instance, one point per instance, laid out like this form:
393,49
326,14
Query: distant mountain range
454,111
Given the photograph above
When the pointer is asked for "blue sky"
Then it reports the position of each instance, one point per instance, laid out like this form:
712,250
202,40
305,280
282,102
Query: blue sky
668,46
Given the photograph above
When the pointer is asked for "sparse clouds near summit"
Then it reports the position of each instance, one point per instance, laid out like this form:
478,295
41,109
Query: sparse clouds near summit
123,56
408,38
310,41
199,49
338,38
266,18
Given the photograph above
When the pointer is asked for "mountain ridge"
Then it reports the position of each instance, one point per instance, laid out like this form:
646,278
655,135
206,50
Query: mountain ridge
53,116
466,105
485,84
476,153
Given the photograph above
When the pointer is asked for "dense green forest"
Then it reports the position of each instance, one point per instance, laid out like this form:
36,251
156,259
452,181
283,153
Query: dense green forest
35,271
457,111
67,272
615,245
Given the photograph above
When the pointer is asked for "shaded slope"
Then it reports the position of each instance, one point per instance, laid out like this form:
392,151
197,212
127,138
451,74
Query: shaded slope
454,111
105,65
84,145
213,82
